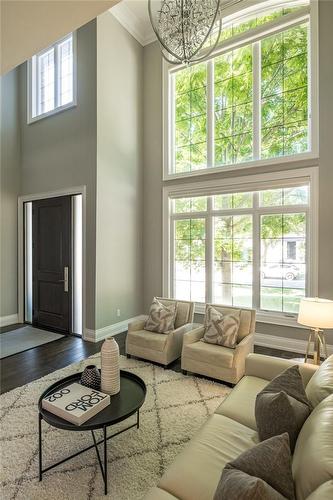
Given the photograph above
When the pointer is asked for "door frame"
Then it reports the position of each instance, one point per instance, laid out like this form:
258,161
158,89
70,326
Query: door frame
20,239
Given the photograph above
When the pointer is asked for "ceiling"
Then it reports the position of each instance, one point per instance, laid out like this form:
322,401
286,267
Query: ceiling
133,15
28,26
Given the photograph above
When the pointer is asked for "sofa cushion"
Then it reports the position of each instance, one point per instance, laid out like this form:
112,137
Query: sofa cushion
196,471
161,317
289,381
158,494
321,383
209,353
221,329
323,492
239,404
277,413
263,471
147,340
313,456
282,406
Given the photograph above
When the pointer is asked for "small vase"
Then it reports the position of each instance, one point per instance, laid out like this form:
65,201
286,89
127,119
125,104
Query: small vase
91,377
110,372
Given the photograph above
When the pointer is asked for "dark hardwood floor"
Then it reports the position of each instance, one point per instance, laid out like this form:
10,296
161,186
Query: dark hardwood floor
24,367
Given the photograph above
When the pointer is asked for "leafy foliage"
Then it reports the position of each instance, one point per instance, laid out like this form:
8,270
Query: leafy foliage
284,101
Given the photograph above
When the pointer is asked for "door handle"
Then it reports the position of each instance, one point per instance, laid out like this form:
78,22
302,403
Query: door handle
65,280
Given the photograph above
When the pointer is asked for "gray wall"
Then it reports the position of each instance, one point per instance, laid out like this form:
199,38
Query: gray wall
153,174
119,173
10,188
60,151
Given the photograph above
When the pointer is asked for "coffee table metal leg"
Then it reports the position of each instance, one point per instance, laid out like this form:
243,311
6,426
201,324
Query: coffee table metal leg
105,462
138,420
40,462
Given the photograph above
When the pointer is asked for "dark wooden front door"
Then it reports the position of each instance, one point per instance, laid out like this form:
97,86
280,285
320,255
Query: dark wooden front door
51,249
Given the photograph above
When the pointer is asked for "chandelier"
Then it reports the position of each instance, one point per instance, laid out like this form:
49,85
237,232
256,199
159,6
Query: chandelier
188,30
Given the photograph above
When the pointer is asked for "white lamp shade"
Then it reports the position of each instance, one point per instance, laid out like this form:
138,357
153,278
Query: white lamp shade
316,313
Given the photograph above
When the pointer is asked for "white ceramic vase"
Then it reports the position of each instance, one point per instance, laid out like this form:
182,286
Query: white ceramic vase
110,372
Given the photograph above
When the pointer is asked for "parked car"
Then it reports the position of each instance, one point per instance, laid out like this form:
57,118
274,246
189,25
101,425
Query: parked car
285,271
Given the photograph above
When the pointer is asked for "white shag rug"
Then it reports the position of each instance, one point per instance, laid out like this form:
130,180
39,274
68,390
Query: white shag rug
175,407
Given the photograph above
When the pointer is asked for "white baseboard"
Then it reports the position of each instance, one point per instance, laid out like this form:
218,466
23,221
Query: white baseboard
284,343
9,320
109,331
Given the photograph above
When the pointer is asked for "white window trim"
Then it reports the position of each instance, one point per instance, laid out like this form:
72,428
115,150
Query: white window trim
246,184
31,83
309,13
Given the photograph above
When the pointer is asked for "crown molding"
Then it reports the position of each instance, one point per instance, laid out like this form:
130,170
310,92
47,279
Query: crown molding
139,29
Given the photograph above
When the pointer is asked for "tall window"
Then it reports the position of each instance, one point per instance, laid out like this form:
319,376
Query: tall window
241,248
249,102
52,79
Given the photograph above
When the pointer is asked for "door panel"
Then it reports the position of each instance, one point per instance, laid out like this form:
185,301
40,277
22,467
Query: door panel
51,239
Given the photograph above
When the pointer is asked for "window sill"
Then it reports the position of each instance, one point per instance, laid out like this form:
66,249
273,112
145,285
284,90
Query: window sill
51,113
271,318
300,160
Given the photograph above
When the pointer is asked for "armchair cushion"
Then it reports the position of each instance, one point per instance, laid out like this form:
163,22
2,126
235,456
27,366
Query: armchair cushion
161,317
221,329
209,353
147,340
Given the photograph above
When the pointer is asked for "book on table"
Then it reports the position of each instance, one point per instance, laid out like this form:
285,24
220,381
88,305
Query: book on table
76,403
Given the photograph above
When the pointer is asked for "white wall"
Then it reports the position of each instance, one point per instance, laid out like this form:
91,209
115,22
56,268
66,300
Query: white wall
10,188
119,173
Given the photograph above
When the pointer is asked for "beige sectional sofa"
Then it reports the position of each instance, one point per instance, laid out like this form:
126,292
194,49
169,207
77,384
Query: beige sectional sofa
196,471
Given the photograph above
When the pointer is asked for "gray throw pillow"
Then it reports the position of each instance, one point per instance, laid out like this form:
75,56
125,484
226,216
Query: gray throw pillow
260,473
161,318
221,329
282,406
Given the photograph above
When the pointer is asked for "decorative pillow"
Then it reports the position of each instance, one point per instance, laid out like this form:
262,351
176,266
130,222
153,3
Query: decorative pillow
262,472
282,406
221,328
161,318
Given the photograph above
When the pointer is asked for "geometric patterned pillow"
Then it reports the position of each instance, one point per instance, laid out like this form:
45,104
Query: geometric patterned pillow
161,318
221,329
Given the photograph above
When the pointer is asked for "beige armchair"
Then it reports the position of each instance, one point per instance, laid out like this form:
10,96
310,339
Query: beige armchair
159,347
216,361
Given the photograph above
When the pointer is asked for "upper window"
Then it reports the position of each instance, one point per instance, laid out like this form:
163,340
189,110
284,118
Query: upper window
52,79
245,104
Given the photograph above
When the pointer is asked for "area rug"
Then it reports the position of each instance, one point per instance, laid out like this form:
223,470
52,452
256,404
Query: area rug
175,407
24,338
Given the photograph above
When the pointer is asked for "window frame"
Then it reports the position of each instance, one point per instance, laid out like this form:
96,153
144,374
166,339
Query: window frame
248,183
32,80
307,13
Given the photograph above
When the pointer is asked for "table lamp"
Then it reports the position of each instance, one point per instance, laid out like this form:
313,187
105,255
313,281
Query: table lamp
317,314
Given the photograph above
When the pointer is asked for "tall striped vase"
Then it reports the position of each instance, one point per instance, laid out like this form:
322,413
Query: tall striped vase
110,372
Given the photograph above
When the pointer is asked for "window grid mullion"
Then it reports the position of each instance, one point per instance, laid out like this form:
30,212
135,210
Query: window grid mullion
57,76
210,114
209,251
256,253
256,72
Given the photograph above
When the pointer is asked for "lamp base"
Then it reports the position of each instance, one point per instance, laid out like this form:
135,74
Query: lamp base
319,343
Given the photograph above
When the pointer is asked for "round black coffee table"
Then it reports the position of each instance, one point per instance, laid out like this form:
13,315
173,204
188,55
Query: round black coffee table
124,404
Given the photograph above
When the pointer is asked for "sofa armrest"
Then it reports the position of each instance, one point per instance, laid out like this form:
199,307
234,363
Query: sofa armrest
137,324
195,335
242,349
268,367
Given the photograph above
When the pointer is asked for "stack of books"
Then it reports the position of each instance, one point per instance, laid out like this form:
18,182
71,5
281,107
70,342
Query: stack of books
76,403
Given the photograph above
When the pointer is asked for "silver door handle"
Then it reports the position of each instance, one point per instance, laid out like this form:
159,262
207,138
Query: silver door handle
65,280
